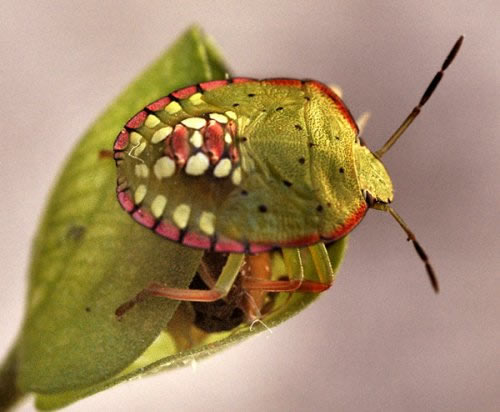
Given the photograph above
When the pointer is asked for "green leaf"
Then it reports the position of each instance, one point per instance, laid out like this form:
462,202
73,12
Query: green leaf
163,354
89,257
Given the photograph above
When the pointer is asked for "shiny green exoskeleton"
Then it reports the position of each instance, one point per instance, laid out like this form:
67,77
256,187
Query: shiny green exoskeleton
243,166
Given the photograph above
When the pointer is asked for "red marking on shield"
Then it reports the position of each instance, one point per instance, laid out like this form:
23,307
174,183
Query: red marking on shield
159,104
168,230
231,128
184,93
137,120
243,80
126,201
227,245
234,154
213,143
302,241
121,184
215,84
144,218
121,141
257,248
349,224
196,240
338,102
177,145
283,82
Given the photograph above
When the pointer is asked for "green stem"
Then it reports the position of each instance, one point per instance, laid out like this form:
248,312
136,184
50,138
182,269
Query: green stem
10,394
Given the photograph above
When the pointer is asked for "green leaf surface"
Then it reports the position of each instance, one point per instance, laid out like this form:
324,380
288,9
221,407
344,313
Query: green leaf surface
162,355
89,256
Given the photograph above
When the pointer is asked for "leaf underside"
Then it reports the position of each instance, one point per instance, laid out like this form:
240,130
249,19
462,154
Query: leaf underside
89,257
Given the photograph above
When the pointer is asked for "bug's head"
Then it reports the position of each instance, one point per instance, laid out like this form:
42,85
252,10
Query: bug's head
374,180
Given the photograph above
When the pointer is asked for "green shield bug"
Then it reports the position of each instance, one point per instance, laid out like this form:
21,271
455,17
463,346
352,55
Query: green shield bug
243,166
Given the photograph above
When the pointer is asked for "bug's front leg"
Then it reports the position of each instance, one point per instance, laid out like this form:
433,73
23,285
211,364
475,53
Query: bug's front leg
221,288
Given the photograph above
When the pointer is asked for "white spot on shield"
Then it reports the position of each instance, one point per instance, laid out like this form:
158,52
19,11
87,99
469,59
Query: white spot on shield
142,170
218,118
173,107
196,139
161,134
223,168
140,194
207,223
164,167
151,121
158,206
135,138
140,149
236,176
194,122
196,99
181,215
231,114
197,164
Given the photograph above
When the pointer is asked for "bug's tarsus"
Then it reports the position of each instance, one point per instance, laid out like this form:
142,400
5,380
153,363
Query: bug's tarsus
427,94
411,237
124,308
105,154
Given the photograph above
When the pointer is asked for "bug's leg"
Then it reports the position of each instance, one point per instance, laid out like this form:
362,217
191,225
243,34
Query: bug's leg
221,289
336,89
293,265
105,154
256,266
324,269
430,271
206,276
297,283
362,121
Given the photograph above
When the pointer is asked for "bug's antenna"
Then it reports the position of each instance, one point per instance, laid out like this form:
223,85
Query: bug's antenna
427,94
411,236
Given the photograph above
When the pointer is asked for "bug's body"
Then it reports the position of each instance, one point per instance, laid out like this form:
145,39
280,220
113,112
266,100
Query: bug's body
247,165
244,166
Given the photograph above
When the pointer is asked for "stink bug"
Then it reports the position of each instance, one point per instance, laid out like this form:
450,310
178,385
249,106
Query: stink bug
243,166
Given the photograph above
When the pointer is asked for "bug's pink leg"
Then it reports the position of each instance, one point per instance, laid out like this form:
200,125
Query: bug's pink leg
285,285
258,266
220,290
294,267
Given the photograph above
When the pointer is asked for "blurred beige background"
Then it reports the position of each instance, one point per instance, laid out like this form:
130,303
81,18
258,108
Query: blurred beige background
379,340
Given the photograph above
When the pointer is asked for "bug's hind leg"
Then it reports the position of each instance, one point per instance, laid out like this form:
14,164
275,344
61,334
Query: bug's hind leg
221,288
297,283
